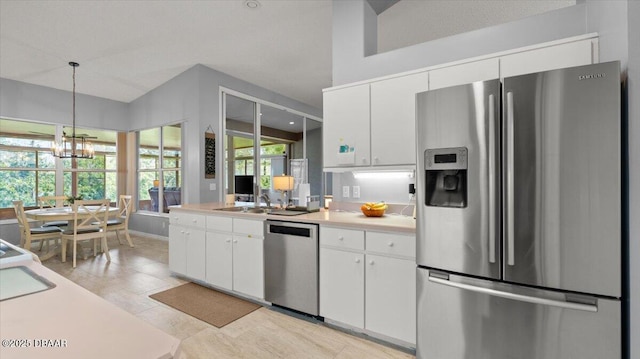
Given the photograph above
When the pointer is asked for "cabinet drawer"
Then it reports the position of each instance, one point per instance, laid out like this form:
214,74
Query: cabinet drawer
391,243
342,238
248,226
223,224
187,219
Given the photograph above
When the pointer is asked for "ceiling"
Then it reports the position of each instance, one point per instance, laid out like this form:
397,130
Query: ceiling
127,48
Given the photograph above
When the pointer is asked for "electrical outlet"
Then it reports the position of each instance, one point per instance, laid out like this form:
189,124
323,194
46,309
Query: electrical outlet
345,191
356,192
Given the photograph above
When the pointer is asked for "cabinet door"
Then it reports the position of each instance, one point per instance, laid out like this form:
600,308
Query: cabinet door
391,297
342,286
549,58
346,125
219,259
393,119
177,250
464,73
248,265
196,254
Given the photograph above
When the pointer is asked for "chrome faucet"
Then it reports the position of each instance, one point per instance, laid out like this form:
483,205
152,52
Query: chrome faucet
266,199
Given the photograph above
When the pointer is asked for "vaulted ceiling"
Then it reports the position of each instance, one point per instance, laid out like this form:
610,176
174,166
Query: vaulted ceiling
127,48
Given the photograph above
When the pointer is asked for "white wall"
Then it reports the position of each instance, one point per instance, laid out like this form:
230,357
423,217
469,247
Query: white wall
619,31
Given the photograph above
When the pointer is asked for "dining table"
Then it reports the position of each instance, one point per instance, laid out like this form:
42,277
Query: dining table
60,214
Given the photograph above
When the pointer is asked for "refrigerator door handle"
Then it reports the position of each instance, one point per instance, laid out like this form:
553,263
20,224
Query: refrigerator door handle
510,175
514,296
492,180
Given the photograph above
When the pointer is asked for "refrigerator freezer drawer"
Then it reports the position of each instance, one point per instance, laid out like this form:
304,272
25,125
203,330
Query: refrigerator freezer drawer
467,318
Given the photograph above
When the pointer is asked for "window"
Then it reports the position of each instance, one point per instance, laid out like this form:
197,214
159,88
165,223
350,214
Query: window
27,167
159,168
93,178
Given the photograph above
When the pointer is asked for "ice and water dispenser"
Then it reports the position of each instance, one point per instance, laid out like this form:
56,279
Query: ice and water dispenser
446,177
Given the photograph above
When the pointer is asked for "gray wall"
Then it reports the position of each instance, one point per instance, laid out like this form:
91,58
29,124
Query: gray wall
350,43
633,103
617,25
38,103
193,98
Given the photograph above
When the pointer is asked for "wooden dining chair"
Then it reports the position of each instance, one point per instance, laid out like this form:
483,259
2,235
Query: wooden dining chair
121,222
52,202
28,235
89,222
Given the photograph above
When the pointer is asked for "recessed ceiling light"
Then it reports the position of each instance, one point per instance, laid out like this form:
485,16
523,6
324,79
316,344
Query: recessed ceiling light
252,4
291,123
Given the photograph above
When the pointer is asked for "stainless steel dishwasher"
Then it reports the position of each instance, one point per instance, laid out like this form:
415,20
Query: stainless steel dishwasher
291,265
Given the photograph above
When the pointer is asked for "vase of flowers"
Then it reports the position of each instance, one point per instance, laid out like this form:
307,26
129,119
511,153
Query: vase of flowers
71,199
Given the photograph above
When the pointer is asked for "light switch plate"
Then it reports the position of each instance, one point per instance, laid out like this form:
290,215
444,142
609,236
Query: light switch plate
345,191
356,191
212,186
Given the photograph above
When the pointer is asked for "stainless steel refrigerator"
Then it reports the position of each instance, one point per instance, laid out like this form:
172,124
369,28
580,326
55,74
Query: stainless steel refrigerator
519,217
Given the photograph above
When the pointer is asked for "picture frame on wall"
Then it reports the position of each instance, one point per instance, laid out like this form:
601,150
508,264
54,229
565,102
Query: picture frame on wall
209,153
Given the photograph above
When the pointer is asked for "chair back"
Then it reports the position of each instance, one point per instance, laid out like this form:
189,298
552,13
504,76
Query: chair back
89,214
125,208
51,201
23,222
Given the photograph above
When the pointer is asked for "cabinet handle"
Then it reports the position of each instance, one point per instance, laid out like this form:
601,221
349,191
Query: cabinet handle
357,260
390,244
227,240
249,236
364,160
182,232
340,238
371,262
375,159
235,241
195,221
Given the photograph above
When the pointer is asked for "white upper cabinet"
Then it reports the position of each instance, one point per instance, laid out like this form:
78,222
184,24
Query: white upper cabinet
393,119
464,73
548,58
345,127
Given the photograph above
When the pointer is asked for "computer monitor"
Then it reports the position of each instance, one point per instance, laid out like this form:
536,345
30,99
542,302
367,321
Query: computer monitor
243,184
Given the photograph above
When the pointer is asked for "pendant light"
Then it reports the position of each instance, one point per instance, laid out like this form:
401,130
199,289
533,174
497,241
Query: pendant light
74,146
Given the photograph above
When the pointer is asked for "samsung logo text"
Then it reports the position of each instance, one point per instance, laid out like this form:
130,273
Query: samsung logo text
590,76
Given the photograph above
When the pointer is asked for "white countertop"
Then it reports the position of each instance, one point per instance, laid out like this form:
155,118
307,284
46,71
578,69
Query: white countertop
76,323
388,222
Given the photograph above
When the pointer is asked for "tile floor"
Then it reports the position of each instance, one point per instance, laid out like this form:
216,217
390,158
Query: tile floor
135,273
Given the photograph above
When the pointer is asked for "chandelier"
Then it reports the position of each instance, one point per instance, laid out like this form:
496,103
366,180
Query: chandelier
76,145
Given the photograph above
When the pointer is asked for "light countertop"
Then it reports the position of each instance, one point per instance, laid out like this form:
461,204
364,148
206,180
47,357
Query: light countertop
388,222
68,321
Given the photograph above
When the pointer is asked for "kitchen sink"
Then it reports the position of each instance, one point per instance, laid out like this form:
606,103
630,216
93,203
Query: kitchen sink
263,210
244,209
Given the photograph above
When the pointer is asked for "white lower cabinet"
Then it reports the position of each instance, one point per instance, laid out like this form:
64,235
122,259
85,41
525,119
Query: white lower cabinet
219,254
370,286
391,297
187,245
342,286
248,265
235,255
222,251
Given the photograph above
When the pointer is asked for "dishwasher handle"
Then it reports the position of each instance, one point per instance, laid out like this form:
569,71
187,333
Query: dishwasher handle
290,229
